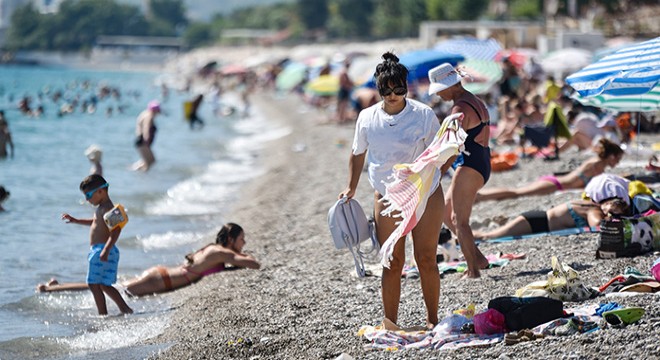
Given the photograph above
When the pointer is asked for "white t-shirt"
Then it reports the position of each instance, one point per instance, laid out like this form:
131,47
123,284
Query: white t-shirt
394,139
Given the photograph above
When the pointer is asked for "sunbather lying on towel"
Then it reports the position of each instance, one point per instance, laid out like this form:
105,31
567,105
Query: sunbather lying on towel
210,259
572,214
608,154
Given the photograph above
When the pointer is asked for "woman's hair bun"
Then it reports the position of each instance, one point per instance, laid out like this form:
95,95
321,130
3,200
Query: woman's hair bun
391,57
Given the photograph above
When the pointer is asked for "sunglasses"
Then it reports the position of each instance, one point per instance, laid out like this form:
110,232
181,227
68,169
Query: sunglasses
398,91
89,194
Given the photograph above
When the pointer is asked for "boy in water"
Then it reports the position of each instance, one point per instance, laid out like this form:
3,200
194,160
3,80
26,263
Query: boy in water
103,256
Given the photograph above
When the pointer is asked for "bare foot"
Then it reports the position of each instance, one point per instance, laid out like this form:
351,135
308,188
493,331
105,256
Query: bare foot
44,287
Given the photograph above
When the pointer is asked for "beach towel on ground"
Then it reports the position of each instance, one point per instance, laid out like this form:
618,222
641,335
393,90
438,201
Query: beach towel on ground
410,188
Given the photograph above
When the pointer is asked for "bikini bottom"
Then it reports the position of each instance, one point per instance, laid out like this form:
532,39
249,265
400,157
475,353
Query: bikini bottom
552,179
538,221
165,276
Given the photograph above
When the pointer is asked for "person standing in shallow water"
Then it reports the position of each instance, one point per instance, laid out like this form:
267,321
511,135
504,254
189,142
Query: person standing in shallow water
5,138
145,131
472,167
397,130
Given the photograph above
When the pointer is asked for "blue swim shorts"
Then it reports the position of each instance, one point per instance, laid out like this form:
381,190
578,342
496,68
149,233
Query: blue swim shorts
102,272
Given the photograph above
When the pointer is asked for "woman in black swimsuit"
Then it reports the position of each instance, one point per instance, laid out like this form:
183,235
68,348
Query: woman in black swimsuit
472,167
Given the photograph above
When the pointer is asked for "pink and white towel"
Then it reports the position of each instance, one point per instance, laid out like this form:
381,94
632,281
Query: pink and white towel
410,189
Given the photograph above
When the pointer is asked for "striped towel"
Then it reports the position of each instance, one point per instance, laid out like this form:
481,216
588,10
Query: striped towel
410,188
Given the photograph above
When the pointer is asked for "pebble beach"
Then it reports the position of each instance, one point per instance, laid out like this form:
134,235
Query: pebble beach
306,301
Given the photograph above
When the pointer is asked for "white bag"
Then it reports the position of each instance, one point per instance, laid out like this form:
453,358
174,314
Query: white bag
349,227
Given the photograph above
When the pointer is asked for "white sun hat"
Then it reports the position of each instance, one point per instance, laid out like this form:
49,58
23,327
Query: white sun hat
442,77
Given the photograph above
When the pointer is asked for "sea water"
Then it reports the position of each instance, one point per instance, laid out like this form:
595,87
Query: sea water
174,208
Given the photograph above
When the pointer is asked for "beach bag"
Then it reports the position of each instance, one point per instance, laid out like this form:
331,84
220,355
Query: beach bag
489,322
527,312
563,284
628,237
349,227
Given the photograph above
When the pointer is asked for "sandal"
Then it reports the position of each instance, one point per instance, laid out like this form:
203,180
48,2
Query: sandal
521,336
623,317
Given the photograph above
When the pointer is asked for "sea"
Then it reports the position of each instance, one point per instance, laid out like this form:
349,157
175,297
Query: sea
173,209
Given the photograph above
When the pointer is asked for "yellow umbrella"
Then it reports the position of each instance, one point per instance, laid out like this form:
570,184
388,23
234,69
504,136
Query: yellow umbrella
324,85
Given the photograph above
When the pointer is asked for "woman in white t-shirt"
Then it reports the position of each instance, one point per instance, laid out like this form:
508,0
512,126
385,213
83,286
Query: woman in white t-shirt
397,130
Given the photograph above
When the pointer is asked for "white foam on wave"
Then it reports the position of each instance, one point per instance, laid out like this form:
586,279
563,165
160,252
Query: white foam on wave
114,333
169,239
211,191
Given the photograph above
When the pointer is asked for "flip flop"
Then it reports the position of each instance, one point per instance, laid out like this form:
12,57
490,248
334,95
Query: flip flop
623,317
643,287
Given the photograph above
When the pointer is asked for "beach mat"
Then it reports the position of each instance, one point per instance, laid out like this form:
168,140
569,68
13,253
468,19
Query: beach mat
563,232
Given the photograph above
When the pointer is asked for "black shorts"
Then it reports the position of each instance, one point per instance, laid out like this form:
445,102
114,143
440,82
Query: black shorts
538,221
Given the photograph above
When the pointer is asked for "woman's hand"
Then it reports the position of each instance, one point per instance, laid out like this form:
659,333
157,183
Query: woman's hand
348,192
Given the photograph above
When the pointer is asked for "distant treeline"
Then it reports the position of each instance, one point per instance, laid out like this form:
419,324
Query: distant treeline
79,22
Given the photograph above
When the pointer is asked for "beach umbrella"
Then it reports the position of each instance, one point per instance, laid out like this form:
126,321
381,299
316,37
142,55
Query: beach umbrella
324,85
632,70
518,56
483,74
470,47
292,74
233,69
362,69
565,61
419,62
649,101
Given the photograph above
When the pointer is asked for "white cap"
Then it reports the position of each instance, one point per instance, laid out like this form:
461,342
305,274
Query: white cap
607,186
442,77
93,153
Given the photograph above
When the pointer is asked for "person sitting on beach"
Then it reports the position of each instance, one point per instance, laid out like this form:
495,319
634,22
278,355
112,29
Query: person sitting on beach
571,214
608,154
212,258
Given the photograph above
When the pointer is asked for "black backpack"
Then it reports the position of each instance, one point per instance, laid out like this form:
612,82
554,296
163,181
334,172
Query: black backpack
527,312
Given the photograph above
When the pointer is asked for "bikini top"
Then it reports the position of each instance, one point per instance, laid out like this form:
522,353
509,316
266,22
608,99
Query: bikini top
584,178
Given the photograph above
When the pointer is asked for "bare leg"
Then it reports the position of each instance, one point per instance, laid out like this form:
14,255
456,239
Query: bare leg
116,297
538,187
464,186
99,298
425,245
517,226
53,286
391,280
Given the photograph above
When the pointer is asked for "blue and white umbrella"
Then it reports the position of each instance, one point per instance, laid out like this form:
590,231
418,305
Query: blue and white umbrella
632,70
471,48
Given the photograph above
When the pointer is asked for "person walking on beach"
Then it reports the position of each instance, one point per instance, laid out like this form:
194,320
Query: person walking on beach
397,130
212,258
344,94
103,255
472,168
145,130
5,138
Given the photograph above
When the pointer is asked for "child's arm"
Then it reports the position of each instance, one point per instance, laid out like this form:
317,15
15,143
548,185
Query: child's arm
70,219
114,235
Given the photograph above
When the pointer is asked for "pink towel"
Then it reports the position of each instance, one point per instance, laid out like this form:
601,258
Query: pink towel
410,189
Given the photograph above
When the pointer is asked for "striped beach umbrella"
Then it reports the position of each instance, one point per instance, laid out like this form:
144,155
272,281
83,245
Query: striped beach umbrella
649,101
483,75
632,70
471,48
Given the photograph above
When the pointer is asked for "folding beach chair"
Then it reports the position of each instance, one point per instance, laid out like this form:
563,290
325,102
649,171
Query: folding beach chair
554,126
